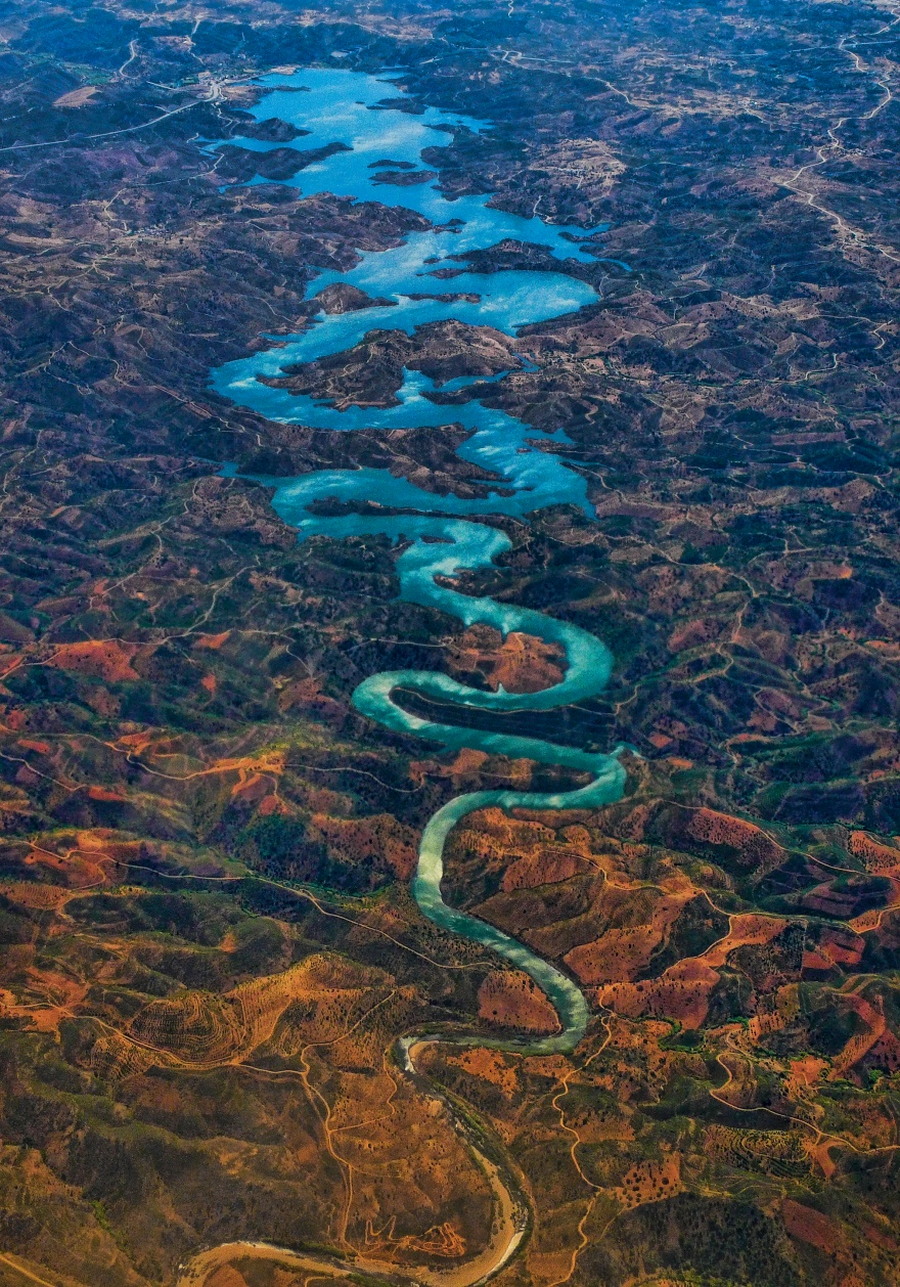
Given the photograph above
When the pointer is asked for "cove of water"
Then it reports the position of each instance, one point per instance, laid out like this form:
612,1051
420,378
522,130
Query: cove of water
362,113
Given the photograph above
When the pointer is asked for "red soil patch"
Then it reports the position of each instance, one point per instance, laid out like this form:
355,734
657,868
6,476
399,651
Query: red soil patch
211,641
754,847
136,742
836,947
99,658
225,1276
491,1066
380,838
879,1237
747,930
514,1000
885,1053
805,1072
105,841
614,958
106,794
553,864
308,694
521,663
815,962
251,788
650,1181
526,851
860,1045
682,993
78,871
468,760
271,804
51,997
621,953
811,1226
693,633
38,897
877,856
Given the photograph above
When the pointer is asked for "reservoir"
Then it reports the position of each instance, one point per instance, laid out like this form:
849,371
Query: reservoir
379,132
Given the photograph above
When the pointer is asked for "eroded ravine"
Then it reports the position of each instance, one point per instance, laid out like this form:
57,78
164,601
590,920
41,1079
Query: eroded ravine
438,543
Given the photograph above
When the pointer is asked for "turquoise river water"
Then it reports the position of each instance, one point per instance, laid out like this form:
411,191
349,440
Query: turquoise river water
343,106
350,108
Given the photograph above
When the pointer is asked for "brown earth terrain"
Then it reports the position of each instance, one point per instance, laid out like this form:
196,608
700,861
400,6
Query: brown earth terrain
209,945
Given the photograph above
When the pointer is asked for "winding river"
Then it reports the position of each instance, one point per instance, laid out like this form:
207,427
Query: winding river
380,134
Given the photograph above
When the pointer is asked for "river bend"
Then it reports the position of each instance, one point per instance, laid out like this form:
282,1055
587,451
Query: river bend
363,113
